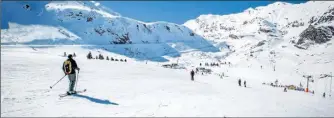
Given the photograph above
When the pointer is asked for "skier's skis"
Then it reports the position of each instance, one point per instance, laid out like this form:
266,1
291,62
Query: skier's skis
64,95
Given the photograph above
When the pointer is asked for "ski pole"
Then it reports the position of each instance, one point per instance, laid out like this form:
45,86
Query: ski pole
57,82
77,81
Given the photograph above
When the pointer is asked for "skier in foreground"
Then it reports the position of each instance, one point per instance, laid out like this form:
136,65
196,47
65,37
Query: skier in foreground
69,67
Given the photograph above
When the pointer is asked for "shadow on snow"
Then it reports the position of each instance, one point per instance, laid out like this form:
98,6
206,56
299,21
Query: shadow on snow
96,100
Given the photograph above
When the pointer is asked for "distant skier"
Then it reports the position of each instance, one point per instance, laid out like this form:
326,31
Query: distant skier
285,90
276,83
274,68
239,81
200,64
324,95
192,73
69,67
222,75
245,83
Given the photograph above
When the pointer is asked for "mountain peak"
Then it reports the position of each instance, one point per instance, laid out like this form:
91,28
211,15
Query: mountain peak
83,6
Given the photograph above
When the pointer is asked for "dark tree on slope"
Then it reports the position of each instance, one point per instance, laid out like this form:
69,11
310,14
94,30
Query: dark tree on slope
107,58
89,56
74,55
96,57
101,57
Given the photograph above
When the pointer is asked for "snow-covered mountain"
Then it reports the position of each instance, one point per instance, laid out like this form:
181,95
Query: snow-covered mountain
277,21
89,23
287,40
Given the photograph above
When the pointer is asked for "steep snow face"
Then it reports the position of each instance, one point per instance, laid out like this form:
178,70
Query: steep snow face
73,22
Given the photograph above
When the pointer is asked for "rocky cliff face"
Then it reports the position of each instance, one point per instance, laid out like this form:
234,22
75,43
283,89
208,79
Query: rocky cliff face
321,30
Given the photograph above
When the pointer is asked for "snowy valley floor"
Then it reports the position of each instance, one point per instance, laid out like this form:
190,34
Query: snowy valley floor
136,89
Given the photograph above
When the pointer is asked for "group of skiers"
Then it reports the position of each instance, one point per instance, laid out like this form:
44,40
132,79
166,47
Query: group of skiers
214,64
239,82
211,64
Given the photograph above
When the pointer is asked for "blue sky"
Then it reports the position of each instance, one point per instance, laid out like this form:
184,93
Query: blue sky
179,11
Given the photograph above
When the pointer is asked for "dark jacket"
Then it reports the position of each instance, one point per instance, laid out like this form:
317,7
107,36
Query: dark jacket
192,73
69,66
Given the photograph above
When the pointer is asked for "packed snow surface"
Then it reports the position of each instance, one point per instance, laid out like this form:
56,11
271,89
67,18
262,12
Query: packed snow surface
135,88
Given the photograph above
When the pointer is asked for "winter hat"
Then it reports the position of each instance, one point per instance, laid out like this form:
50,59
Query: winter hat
70,56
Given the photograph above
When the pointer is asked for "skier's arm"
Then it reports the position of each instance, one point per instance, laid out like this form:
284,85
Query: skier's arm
75,65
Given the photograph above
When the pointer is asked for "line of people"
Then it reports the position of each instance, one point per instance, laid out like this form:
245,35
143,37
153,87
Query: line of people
211,64
215,64
101,57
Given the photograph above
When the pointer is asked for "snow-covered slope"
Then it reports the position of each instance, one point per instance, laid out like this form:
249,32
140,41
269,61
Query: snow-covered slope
137,89
89,23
